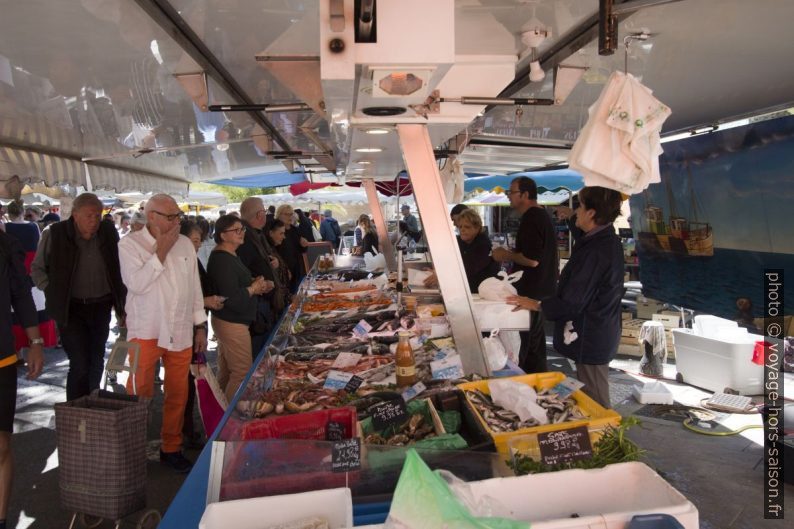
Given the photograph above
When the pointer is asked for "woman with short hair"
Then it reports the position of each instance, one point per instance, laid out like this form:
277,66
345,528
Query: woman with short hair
230,278
586,307
475,249
293,247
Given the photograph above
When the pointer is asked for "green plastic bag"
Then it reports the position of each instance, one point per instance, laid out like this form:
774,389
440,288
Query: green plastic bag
424,500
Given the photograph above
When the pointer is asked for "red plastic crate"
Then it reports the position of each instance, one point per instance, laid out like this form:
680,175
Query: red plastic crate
310,425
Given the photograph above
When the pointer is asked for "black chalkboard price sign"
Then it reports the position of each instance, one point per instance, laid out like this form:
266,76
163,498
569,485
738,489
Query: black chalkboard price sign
346,455
353,384
388,412
565,445
334,431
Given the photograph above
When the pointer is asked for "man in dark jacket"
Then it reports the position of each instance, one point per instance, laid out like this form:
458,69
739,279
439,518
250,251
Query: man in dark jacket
14,292
77,267
256,254
586,307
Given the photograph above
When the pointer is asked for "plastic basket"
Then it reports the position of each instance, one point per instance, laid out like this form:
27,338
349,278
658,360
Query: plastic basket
599,417
310,425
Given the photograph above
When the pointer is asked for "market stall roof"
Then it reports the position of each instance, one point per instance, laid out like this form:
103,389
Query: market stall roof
498,198
344,195
547,181
265,176
193,198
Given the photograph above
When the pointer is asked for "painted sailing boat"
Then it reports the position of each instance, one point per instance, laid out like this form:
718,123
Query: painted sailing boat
681,236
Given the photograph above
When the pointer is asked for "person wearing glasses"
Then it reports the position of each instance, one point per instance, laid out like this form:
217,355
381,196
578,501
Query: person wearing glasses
536,255
165,315
77,267
231,279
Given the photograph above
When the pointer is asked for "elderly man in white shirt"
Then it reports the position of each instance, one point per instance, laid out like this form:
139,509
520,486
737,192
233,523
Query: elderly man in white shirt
165,314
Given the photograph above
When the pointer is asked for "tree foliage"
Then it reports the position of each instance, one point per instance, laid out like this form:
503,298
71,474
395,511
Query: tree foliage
234,194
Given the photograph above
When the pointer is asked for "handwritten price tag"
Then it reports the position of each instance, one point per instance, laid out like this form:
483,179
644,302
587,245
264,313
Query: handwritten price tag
346,455
562,446
387,413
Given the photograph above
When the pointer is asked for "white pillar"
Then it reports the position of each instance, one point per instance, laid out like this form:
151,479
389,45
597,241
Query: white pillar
380,223
432,206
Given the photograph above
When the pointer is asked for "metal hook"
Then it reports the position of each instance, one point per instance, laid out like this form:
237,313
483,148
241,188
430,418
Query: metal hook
642,35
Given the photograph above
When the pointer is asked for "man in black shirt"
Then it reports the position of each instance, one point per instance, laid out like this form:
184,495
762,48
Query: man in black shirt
536,255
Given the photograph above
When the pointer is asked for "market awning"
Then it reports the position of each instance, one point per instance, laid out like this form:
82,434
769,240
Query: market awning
265,176
553,181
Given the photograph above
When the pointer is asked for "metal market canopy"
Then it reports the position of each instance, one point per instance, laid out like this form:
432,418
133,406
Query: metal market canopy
337,195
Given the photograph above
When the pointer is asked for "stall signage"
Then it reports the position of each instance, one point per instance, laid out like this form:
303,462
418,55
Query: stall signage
567,386
563,446
334,431
413,391
362,328
353,384
344,360
448,368
337,380
346,455
387,413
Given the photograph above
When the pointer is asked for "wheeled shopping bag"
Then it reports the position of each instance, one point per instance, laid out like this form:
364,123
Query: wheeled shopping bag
102,457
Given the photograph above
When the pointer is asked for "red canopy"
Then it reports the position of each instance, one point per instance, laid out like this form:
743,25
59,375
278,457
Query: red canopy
389,187
303,187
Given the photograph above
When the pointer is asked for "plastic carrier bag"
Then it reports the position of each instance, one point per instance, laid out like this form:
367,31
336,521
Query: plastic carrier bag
425,499
495,351
499,288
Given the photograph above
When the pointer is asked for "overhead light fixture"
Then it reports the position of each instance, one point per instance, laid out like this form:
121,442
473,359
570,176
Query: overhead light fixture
363,162
400,83
536,73
377,131
369,149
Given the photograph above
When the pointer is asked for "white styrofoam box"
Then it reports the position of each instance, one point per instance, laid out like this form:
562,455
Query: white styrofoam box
591,494
717,364
711,326
335,505
652,393
499,315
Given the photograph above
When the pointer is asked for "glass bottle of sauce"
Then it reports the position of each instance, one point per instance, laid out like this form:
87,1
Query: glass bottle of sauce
405,362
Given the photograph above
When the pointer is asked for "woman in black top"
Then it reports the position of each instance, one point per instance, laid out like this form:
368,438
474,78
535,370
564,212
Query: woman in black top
231,279
276,232
369,242
475,249
304,226
293,247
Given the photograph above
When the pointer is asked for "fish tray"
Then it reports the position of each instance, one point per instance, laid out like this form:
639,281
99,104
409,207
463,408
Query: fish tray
599,417
310,425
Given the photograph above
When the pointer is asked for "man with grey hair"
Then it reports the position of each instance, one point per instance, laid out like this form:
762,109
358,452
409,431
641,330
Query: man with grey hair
165,315
77,267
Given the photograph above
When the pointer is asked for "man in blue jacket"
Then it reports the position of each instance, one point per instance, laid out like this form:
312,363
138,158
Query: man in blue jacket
586,306
329,229
14,292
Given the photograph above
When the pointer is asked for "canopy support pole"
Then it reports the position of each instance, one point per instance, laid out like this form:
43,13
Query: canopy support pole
432,205
380,223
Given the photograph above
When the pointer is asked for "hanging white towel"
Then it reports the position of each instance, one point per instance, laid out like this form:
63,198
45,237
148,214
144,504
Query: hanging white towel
619,147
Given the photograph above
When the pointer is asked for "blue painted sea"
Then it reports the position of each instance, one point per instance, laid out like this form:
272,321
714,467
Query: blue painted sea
712,284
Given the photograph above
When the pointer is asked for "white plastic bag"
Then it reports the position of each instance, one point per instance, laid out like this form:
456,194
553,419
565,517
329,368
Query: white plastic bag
495,352
374,262
511,340
518,398
499,288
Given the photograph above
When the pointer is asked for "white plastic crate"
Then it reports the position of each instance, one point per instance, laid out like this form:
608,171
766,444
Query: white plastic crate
335,505
499,315
718,364
549,500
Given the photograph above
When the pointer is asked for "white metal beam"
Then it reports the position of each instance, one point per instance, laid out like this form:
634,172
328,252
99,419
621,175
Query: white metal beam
431,202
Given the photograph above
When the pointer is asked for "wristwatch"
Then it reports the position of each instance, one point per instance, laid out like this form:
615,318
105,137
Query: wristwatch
37,341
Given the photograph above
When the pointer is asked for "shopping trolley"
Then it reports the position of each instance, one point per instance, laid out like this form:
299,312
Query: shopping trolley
102,458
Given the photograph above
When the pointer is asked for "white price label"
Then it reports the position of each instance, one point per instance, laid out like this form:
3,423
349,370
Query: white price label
337,380
567,386
413,391
344,360
362,328
449,368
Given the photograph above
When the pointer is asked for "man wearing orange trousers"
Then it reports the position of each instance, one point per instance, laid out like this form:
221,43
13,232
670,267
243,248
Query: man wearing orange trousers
165,314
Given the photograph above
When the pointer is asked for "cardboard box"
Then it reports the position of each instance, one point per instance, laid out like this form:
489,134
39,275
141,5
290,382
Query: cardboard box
670,321
647,307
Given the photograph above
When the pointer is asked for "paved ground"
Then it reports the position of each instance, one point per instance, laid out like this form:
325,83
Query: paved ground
720,475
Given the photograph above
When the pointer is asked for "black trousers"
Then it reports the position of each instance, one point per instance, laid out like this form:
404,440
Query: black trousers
258,340
532,355
84,338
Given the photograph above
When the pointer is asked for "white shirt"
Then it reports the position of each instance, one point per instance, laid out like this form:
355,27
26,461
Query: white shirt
164,300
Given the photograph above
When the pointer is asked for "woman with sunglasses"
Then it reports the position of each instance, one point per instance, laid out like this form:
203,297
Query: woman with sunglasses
230,278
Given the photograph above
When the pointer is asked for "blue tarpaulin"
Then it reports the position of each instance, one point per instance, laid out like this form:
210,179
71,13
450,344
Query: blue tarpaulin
548,180
263,179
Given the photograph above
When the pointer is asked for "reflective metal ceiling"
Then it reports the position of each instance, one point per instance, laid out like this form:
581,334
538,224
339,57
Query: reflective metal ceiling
93,80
